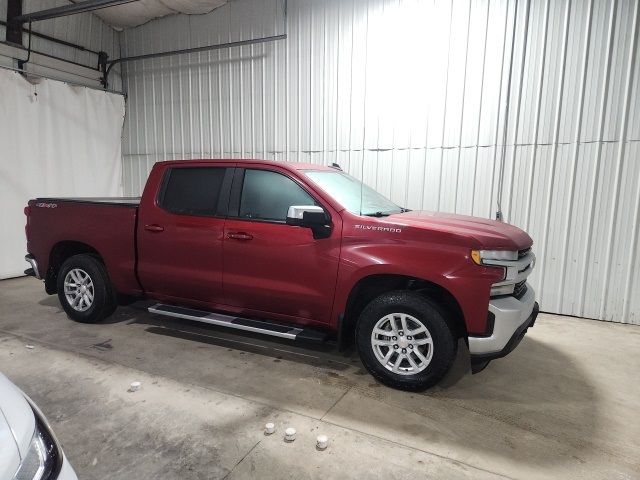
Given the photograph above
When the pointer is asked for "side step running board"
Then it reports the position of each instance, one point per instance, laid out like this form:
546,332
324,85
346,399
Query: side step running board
247,324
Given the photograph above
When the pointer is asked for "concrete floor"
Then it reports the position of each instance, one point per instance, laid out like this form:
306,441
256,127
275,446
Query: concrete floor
565,404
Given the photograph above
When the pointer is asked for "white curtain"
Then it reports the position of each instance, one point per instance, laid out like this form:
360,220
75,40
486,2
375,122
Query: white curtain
55,140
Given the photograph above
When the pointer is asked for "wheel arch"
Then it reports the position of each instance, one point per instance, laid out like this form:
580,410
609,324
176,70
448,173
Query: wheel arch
60,252
372,286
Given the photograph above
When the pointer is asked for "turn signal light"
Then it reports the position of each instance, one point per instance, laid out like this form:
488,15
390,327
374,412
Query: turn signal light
475,256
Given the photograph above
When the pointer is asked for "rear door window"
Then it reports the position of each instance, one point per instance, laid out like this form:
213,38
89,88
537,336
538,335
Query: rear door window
194,191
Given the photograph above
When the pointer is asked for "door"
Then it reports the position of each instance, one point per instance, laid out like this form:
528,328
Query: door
180,234
270,266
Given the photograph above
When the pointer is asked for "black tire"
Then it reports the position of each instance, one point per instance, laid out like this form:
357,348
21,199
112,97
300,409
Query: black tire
431,316
104,296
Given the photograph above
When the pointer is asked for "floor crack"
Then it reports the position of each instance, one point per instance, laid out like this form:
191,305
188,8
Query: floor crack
335,403
240,461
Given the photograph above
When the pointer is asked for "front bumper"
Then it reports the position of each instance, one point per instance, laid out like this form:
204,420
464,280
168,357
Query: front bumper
513,317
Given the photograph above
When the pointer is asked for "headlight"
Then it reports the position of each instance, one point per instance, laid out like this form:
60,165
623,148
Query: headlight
483,257
43,460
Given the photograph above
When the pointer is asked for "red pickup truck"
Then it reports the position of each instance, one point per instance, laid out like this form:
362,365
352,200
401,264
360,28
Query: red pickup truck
294,250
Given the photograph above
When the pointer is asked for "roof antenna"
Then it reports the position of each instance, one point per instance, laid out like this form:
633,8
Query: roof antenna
336,166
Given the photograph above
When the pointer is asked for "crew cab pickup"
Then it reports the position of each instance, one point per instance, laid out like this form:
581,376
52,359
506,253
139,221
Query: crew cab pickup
298,251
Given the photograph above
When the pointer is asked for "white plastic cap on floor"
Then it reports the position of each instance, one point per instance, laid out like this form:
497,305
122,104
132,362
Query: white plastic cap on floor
290,434
269,428
135,386
322,442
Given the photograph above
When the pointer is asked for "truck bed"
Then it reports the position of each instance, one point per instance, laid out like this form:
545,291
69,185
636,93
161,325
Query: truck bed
106,225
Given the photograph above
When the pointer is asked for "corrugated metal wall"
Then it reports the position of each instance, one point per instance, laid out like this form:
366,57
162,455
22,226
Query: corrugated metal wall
410,95
84,29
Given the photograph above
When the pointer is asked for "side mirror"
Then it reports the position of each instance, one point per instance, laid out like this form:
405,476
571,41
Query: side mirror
310,216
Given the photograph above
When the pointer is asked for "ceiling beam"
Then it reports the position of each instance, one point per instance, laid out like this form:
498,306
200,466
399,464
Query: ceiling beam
65,10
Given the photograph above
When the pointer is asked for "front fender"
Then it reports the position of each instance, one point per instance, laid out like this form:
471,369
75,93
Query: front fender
447,266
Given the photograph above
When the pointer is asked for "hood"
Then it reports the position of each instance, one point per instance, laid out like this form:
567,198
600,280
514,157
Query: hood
489,234
17,424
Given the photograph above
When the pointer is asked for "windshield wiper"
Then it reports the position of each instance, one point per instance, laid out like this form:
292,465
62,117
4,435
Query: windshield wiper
376,214
386,214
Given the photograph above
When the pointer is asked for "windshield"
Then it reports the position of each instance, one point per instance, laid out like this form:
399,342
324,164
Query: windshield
352,194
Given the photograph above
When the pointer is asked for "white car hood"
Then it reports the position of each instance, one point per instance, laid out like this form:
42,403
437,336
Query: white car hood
9,456
17,424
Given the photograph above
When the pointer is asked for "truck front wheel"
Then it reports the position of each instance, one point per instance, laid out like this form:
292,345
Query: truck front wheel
404,341
84,289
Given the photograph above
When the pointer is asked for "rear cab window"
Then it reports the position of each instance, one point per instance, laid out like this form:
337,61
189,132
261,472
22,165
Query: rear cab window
197,191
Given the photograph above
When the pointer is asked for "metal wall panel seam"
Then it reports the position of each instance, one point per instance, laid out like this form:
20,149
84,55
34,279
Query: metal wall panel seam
310,106
497,124
129,127
172,99
398,149
621,150
353,14
634,247
478,121
576,150
377,124
241,97
596,169
202,150
180,91
364,116
190,90
444,110
554,151
263,97
287,90
231,109
252,103
636,215
516,128
210,103
299,82
325,83
220,130
464,87
337,79
144,117
275,95
536,128
136,127
154,110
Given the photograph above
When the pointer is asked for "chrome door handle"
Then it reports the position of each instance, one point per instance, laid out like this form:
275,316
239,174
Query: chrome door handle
240,236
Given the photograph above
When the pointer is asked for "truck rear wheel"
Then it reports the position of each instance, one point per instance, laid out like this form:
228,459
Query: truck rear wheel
404,341
84,289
